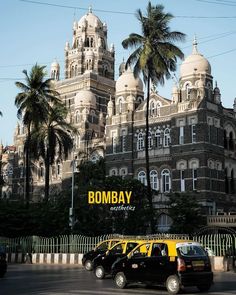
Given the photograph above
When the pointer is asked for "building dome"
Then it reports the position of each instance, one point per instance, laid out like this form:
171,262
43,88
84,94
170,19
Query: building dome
85,98
127,81
195,63
90,20
55,65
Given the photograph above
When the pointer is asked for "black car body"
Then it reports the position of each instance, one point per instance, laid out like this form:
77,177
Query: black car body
3,262
102,263
101,248
171,263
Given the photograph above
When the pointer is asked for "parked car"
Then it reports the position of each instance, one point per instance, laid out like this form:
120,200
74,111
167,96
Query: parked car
174,264
101,248
103,263
3,261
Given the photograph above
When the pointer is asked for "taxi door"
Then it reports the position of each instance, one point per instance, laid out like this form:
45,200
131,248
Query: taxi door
157,264
135,266
115,253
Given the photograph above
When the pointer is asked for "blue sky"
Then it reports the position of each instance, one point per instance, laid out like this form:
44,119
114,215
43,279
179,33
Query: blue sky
33,33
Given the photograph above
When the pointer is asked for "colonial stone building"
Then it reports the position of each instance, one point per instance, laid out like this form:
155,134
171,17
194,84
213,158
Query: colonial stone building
192,137
85,90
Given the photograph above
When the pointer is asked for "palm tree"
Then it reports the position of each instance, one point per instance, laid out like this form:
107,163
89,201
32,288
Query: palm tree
33,103
50,139
155,56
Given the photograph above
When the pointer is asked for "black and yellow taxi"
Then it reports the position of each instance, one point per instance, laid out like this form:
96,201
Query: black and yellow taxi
102,263
101,248
174,264
3,261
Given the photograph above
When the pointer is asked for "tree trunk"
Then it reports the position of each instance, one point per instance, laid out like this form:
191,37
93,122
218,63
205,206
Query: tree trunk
47,168
27,168
149,189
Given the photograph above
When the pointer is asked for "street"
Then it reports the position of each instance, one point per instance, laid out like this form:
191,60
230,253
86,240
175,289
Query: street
24,279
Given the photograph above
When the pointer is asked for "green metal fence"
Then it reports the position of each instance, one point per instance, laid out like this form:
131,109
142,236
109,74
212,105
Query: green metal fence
218,243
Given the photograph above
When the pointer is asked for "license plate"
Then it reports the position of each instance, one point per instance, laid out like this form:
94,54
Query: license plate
198,265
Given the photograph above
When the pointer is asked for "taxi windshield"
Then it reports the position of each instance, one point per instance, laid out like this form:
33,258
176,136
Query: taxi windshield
117,249
191,250
102,247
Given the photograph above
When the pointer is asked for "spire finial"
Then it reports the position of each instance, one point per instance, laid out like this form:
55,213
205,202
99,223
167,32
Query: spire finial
90,9
216,84
195,44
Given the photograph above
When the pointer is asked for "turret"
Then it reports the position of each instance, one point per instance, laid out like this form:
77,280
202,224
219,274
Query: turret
110,108
217,94
55,71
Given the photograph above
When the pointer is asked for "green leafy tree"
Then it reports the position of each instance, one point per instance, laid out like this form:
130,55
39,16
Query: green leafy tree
33,104
97,219
155,56
51,138
186,213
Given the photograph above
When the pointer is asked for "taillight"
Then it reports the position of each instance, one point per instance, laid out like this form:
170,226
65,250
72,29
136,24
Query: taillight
181,264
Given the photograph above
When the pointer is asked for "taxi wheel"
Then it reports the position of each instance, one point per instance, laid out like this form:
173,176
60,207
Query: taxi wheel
99,272
173,285
88,265
204,288
120,280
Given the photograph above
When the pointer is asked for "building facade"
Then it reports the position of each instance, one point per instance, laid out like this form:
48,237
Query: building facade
191,141
192,137
86,89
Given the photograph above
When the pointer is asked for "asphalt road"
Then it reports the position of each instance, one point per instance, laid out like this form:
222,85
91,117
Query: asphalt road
24,279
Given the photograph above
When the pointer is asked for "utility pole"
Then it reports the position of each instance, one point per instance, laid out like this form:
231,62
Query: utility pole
71,210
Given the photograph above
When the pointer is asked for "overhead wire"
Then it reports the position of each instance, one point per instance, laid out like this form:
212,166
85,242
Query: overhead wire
125,12
224,3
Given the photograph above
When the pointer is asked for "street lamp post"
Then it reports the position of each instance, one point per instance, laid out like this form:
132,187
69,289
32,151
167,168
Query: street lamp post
71,210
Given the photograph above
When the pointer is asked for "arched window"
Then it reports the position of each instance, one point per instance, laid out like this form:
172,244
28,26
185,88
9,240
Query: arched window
72,71
113,172
93,116
120,106
77,117
158,138
91,42
154,180
231,141
182,167
87,42
158,108
150,140
142,177
164,223
166,137
123,172
152,109
187,89
140,142
166,181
